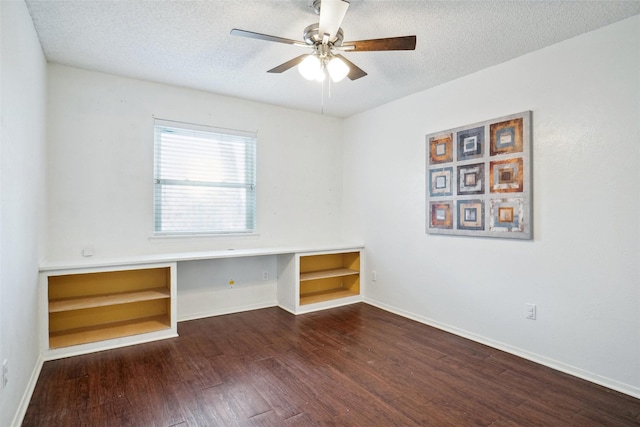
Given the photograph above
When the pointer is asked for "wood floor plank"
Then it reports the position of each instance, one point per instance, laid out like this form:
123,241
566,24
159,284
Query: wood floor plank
349,366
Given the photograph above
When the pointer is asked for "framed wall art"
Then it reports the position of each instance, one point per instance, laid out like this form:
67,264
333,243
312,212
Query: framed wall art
478,179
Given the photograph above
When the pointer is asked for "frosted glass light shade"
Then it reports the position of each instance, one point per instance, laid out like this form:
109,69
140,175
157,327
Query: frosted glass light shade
338,70
310,67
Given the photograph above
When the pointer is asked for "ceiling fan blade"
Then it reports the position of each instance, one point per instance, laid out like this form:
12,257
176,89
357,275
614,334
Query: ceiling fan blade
259,36
391,43
332,13
355,72
287,65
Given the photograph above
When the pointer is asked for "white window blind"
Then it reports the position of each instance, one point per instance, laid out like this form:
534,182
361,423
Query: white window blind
204,180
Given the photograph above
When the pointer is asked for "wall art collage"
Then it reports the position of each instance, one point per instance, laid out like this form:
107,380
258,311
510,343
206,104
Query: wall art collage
479,179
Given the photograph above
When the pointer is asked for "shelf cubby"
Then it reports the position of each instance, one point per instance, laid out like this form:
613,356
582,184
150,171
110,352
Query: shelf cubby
97,306
325,277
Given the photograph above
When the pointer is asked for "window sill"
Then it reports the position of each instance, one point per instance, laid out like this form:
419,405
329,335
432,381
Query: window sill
203,236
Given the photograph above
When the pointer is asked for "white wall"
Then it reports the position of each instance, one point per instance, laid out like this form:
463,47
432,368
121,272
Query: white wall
101,166
22,201
204,289
100,181
582,267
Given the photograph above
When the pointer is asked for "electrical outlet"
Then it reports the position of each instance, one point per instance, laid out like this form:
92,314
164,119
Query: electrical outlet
530,311
87,252
5,373
265,275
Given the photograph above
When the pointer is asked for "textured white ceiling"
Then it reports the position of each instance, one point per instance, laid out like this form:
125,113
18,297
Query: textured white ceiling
187,43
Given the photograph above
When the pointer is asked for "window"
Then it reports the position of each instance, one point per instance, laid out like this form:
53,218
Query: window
204,180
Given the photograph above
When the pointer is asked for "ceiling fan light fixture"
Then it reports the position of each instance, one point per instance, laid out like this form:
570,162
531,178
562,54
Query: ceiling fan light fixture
324,37
337,69
310,68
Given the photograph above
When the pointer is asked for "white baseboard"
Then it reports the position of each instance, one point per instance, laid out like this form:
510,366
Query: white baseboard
542,360
28,392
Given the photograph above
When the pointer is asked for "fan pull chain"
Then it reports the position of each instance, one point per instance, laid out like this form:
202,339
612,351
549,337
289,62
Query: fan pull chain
322,99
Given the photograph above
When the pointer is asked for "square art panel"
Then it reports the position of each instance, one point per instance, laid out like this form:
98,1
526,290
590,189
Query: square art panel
440,182
441,215
441,149
478,179
470,214
507,137
506,176
507,215
471,179
470,143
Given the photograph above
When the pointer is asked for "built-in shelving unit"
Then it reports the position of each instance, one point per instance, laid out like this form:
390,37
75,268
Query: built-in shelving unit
316,280
89,307
325,277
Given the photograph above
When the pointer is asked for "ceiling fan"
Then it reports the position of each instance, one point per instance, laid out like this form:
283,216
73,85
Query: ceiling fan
326,37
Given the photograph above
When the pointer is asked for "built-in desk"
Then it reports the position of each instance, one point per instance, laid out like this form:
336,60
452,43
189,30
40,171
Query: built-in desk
92,304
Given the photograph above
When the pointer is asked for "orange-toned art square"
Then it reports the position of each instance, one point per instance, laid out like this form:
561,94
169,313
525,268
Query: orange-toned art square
441,215
506,137
506,176
441,149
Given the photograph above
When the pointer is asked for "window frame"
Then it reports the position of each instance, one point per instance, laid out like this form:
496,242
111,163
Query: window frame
162,126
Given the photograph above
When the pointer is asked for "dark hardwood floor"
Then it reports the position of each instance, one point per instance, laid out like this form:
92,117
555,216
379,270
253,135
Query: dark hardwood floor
349,366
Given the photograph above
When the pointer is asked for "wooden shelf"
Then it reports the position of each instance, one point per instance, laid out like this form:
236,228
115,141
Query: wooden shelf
108,331
327,295
327,277
68,304
93,306
324,274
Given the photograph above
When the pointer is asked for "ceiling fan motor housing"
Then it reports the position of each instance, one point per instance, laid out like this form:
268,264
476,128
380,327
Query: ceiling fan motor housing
312,36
